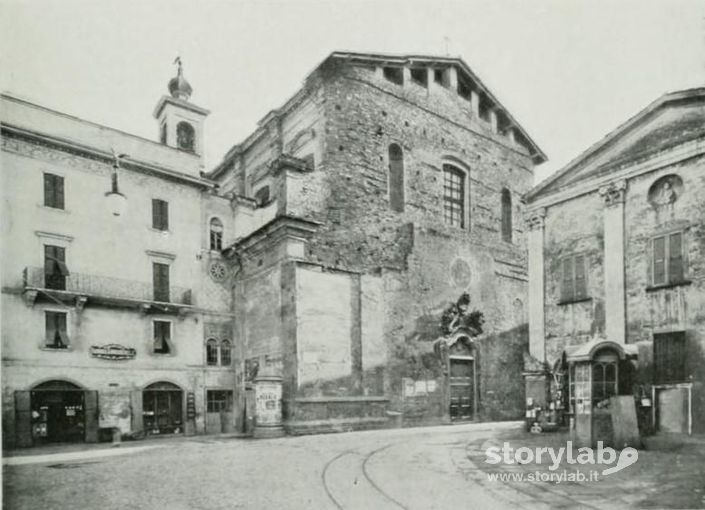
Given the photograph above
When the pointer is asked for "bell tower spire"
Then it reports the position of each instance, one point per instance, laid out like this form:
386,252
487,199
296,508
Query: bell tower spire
180,121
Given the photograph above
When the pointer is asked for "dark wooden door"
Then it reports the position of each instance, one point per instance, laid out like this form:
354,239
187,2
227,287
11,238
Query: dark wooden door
462,389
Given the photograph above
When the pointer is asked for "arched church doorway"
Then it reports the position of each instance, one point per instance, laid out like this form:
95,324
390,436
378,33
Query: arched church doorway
162,405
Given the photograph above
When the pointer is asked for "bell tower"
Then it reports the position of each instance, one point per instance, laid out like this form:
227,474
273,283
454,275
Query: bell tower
180,121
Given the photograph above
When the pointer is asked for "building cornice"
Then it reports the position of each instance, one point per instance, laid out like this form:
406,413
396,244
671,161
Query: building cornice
676,154
104,156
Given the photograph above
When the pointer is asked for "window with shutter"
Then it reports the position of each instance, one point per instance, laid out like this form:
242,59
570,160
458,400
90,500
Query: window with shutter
53,191
160,214
675,258
160,273
667,259
162,336
225,353
567,281
56,333
670,356
573,278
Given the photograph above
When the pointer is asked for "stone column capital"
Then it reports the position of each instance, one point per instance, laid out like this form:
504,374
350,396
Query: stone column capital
535,218
614,193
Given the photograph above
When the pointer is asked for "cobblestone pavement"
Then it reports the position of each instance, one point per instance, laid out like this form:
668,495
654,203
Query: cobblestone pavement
425,468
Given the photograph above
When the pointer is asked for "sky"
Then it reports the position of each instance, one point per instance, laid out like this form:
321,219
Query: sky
569,71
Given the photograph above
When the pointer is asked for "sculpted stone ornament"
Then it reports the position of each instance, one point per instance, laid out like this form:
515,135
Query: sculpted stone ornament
614,193
458,316
535,219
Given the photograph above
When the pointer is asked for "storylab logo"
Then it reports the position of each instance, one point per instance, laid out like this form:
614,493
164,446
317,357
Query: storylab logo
607,457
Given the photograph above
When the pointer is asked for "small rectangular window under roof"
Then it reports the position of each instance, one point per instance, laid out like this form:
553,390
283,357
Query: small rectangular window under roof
394,74
419,76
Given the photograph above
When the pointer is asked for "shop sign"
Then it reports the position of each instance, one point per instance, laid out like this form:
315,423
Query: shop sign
113,352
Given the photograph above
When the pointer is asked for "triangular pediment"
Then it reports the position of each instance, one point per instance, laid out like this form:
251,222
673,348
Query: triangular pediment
670,121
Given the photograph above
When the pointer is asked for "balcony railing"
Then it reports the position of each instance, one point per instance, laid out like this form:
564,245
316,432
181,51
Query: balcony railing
103,287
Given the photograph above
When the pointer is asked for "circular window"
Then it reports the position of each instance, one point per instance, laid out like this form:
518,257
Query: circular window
460,273
218,271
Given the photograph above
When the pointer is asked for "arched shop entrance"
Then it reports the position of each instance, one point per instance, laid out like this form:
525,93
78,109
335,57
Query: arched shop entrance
56,411
162,405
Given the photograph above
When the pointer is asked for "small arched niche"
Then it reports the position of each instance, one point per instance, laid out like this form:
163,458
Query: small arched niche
665,190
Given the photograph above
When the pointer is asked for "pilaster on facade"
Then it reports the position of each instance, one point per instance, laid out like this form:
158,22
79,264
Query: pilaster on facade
535,222
613,218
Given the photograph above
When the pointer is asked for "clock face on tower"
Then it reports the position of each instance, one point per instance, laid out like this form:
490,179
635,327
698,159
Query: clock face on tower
218,271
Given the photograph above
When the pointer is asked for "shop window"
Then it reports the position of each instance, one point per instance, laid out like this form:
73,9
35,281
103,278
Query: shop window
56,332
160,280
55,269
670,358
216,234
573,278
667,259
211,352
185,137
453,196
219,401
394,74
160,214
396,178
162,337
53,191
225,353
506,216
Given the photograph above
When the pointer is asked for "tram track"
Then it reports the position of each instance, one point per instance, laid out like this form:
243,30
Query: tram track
360,467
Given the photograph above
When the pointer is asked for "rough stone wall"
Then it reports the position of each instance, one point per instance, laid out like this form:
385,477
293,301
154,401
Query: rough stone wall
425,264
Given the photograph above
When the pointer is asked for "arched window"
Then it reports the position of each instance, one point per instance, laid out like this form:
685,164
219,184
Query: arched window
216,234
506,215
396,178
211,352
454,196
225,351
185,137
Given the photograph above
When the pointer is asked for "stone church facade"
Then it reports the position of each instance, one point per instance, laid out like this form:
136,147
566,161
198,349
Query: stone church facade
345,245
386,188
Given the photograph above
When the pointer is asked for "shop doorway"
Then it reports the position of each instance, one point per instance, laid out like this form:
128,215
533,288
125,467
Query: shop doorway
162,406
55,412
462,388
219,411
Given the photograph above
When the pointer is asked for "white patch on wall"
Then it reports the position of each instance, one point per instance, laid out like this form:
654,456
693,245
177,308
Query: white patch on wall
323,315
